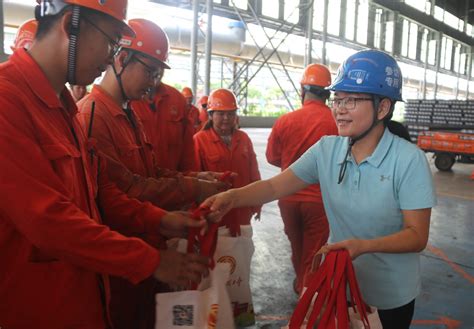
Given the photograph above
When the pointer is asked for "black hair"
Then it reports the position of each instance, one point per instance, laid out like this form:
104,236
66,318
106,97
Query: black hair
209,122
398,129
318,92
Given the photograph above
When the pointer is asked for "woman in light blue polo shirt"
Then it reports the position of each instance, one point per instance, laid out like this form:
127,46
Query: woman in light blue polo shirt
377,187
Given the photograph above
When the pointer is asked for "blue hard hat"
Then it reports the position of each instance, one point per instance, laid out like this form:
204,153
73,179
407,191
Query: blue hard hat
371,72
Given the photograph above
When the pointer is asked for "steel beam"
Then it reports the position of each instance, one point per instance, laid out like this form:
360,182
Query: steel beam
194,39
208,46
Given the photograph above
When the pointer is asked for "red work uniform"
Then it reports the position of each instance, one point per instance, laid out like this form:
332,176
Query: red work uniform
203,117
303,212
168,128
193,117
55,251
121,139
131,162
214,155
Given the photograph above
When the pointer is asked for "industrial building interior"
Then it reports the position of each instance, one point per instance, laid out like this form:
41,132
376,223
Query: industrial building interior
258,49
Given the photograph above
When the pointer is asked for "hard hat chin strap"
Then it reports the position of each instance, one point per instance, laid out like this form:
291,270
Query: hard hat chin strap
118,75
72,49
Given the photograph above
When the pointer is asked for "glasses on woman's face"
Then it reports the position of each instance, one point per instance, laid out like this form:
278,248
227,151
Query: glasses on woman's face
114,44
153,73
349,103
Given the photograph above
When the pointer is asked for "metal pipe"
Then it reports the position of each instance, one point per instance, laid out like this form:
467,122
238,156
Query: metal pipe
3,56
308,59
194,38
438,61
208,45
325,30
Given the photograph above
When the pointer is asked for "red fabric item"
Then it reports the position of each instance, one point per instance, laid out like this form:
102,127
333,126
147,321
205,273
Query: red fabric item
307,229
53,244
294,133
168,128
203,117
214,155
330,307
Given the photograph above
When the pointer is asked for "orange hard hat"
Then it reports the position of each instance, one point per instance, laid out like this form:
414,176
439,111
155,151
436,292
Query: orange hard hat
316,75
150,40
222,100
25,34
114,8
187,92
203,101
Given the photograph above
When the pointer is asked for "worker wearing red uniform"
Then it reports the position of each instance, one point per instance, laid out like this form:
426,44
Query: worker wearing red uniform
203,116
120,137
56,253
303,213
164,116
221,147
193,111
119,132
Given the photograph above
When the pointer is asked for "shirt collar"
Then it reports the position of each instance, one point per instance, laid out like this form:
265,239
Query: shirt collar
216,138
39,83
377,156
110,105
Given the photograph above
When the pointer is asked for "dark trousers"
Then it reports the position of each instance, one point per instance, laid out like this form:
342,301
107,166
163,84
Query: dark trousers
397,318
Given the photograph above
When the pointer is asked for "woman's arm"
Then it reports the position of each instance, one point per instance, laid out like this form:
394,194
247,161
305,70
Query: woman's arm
412,238
255,194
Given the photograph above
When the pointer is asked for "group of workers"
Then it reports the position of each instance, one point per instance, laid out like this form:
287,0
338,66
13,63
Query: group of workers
95,183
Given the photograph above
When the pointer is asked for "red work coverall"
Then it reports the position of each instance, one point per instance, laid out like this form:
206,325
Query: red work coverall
214,155
55,251
168,128
303,212
131,162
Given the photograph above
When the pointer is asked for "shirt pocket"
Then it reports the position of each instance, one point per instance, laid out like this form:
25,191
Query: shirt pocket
128,151
214,162
64,158
175,130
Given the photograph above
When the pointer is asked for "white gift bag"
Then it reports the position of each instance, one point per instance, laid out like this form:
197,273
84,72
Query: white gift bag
237,252
373,318
206,308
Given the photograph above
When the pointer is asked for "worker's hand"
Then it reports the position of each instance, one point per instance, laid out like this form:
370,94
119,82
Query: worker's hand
212,175
355,247
178,269
208,188
175,224
219,204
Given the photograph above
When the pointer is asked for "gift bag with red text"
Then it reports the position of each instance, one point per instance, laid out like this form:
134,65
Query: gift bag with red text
208,307
237,251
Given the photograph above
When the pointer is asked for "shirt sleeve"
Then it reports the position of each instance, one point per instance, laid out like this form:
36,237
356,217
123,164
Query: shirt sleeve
306,167
34,200
415,187
273,152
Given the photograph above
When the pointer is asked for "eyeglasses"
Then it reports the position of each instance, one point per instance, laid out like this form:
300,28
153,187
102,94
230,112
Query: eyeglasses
349,103
114,44
153,73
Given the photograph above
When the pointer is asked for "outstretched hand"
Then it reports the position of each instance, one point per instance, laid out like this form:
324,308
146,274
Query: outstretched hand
219,204
175,224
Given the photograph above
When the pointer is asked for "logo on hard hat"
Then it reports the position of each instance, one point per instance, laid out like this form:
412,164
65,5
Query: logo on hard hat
357,75
102,2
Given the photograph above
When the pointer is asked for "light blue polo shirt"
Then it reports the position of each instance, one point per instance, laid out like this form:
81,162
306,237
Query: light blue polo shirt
367,204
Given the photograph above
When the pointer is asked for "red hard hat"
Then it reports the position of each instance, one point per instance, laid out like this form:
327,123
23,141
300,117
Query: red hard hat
25,34
222,100
187,92
114,8
316,75
150,40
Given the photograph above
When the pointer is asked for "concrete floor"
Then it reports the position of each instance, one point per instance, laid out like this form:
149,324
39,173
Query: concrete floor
447,298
